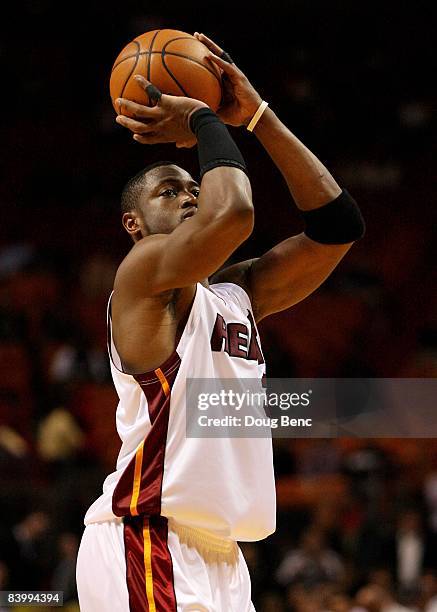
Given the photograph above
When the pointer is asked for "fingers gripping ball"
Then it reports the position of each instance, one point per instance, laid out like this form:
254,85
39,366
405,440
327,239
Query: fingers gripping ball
154,93
175,62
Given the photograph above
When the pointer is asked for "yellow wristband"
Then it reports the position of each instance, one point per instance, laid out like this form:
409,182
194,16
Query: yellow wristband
257,116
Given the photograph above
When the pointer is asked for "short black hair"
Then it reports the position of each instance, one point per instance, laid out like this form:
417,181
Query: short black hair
132,190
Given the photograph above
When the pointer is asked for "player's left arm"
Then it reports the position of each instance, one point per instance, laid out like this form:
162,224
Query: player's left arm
297,266
285,275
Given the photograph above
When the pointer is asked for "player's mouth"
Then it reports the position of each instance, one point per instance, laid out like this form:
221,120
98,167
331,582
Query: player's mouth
189,213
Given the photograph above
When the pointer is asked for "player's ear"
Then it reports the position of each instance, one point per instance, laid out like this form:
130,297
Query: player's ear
131,224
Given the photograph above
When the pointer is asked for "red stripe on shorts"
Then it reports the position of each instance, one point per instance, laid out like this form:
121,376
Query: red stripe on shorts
149,568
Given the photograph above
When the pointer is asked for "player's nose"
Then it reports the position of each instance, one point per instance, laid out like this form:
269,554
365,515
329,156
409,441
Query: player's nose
190,201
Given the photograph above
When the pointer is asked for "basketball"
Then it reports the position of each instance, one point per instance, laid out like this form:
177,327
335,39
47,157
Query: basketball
174,61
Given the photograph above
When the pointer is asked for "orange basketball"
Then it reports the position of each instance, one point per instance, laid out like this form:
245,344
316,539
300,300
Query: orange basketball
174,61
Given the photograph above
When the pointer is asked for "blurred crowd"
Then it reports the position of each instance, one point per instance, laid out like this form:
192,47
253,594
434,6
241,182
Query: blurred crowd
355,528
357,519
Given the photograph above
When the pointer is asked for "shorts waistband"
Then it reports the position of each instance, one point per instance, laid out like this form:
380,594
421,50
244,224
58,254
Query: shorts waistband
212,548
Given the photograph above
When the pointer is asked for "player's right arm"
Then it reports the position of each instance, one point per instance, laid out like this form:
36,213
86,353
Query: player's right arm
201,244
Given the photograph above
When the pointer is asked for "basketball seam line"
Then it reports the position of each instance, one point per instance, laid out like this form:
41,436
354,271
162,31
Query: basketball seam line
175,54
150,54
151,46
186,56
168,69
172,76
132,70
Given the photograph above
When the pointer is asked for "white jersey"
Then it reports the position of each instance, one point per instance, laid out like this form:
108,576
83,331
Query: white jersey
222,485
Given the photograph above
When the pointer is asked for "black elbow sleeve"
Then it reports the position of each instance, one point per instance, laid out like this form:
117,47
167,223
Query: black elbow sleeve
338,222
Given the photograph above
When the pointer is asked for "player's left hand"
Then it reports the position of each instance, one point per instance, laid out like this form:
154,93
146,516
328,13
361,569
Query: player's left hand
167,121
240,98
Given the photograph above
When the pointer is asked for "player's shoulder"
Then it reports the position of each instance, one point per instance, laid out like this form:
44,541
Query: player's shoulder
141,255
146,244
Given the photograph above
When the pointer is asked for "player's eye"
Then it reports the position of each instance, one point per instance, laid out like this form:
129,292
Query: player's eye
196,193
168,193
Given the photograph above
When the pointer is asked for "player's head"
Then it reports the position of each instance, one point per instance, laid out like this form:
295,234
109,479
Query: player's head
158,199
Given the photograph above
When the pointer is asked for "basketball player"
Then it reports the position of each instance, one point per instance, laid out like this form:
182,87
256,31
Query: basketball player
163,534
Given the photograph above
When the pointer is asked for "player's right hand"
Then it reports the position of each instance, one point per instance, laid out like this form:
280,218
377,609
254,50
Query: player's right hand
167,121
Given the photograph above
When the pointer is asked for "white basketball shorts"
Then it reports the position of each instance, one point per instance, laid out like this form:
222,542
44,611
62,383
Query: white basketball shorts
138,564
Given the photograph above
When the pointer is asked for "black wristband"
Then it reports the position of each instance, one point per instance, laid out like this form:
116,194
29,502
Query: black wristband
215,145
338,222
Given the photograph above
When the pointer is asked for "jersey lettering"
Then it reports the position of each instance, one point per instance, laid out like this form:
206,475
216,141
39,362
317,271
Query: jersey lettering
236,339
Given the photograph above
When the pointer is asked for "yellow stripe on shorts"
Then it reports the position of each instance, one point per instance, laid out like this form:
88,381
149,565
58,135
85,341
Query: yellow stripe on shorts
148,574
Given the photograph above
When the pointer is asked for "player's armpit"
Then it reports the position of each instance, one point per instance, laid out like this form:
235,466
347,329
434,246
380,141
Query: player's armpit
238,274
285,275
